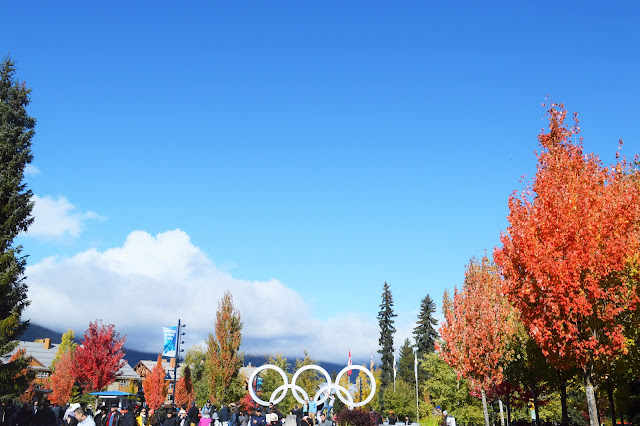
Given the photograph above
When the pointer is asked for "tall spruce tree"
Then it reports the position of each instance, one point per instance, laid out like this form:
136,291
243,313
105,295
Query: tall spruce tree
387,330
425,333
405,362
16,131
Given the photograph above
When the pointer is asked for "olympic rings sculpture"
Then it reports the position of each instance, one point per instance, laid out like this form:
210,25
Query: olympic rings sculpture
322,394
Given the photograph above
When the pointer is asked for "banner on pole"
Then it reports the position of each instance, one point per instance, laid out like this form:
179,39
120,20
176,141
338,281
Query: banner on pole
170,339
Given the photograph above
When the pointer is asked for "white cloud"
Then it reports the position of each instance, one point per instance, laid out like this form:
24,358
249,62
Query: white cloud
57,217
31,170
150,282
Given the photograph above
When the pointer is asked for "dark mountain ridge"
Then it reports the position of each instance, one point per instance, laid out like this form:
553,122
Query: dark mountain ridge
35,331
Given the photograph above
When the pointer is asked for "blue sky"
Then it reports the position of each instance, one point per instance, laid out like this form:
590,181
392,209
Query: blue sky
299,154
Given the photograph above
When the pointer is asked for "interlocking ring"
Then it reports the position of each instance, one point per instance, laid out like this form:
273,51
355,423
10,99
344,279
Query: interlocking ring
322,394
282,389
371,377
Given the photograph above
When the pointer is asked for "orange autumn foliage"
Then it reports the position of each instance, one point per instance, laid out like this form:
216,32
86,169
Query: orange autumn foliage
478,324
185,393
566,253
63,379
155,386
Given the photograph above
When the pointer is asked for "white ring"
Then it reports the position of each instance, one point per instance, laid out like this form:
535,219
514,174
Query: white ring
305,368
255,373
338,388
282,388
373,384
323,390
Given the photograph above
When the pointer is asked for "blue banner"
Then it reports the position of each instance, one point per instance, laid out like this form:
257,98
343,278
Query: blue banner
170,339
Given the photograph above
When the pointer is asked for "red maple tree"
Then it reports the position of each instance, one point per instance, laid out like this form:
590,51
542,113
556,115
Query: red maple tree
155,387
478,325
99,358
184,388
566,253
63,379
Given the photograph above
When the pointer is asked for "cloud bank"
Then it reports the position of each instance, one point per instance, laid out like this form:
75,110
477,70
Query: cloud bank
57,217
150,282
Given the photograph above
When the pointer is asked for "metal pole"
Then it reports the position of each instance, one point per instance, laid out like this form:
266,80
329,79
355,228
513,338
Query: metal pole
175,364
417,405
415,369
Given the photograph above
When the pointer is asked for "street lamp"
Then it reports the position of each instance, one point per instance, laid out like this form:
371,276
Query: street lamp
179,341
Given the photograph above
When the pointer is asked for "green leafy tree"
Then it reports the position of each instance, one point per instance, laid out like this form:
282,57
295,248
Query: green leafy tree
406,362
443,388
309,380
195,358
271,380
425,333
362,389
387,330
402,400
66,346
16,131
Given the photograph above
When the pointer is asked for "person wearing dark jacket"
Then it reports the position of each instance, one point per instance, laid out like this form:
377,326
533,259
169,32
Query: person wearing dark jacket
170,420
392,418
101,418
192,414
128,419
233,416
114,416
258,419
297,411
45,415
224,415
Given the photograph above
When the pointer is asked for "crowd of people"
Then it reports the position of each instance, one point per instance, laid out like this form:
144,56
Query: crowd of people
76,414
307,414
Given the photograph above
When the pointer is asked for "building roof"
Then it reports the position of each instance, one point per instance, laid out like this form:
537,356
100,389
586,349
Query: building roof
44,357
149,365
37,351
127,373
247,371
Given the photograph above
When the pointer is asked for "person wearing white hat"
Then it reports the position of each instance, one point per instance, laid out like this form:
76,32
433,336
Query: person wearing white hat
449,420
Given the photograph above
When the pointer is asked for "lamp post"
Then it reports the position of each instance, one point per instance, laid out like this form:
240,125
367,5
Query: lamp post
179,341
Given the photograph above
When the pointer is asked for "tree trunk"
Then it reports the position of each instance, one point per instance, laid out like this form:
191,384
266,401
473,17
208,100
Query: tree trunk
484,407
563,398
501,412
534,393
611,404
591,397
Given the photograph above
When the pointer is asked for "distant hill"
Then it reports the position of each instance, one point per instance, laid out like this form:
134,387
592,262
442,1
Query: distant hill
35,331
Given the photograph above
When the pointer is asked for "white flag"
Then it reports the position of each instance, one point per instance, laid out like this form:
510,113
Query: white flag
395,366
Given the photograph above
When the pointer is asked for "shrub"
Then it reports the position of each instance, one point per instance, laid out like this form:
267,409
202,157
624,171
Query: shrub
355,417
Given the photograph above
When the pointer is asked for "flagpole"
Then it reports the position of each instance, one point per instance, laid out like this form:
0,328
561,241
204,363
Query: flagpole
394,371
415,370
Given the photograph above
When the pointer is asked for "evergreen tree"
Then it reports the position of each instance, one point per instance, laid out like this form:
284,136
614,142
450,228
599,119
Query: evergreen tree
16,131
385,319
405,362
425,333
